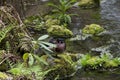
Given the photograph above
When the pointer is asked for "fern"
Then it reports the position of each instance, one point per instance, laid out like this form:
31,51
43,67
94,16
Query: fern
5,31
60,11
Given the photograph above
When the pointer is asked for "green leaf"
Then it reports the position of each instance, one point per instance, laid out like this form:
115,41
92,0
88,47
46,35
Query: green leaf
16,71
45,47
25,57
3,32
52,5
31,60
49,44
43,37
48,53
41,60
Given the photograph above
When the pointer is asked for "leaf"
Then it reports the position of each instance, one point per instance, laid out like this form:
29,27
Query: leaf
45,48
15,71
31,60
69,18
49,44
48,53
25,57
3,32
34,42
52,5
41,60
43,37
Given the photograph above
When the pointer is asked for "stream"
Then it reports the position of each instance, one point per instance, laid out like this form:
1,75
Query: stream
108,15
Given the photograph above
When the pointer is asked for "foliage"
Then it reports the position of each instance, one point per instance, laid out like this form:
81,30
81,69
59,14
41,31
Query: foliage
64,67
59,31
92,29
45,46
109,61
7,60
14,27
60,10
44,67
9,15
5,31
33,66
34,22
103,61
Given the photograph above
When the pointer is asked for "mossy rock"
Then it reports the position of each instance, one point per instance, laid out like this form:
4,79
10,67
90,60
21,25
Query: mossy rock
87,3
92,29
63,67
59,31
110,63
50,22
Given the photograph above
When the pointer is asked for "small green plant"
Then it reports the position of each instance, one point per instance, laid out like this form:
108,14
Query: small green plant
43,68
5,31
45,46
103,61
34,22
32,64
60,11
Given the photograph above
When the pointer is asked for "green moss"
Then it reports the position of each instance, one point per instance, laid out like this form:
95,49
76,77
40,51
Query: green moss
86,3
63,66
93,29
110,63
50,22
97,62
59,31
34,22
3,76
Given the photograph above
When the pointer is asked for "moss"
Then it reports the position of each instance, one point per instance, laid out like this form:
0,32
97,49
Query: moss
34,22
48,17
97,62
63,66
110,63
51,22
3,76
86,3
93,29
59,31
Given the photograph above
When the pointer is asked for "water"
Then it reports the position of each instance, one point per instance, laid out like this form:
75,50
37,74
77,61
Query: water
108,15
110,10
98,75
110,19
